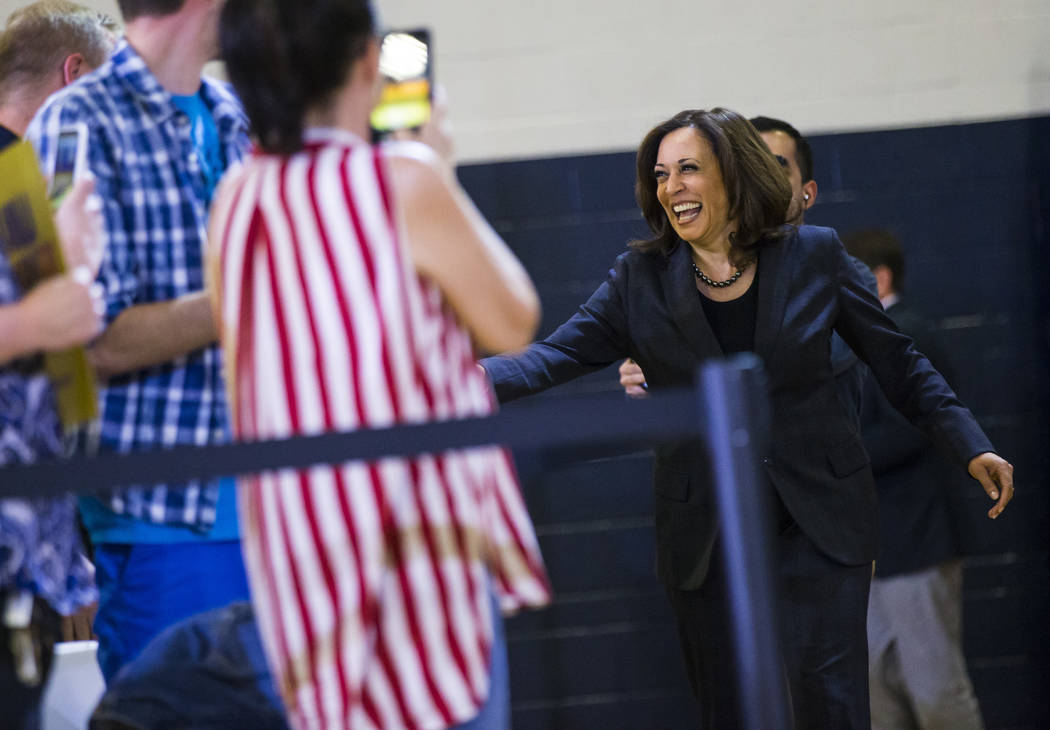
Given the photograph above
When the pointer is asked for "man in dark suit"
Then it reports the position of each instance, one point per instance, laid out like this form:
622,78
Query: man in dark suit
917,671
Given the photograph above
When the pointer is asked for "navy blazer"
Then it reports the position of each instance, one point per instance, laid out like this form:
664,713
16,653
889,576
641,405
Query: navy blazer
649,309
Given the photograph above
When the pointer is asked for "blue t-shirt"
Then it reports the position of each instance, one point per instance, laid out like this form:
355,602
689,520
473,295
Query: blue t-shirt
205,136
104,525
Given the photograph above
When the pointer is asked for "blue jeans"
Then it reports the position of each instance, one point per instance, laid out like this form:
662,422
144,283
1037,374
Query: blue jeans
209,672
145,588
495,713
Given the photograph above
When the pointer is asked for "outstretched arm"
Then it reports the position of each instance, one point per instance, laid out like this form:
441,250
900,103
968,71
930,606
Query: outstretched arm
593,338
914,386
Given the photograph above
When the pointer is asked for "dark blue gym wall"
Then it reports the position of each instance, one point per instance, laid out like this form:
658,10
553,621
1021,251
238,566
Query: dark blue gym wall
971,204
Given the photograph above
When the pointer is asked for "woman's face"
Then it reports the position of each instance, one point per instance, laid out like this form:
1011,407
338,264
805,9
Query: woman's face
690,189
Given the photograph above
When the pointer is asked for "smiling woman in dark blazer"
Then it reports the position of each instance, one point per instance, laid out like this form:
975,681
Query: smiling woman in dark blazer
723,274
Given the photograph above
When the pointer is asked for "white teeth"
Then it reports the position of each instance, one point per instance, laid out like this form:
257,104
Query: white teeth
681,207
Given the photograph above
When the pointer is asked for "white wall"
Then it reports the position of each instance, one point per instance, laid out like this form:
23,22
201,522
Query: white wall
548,77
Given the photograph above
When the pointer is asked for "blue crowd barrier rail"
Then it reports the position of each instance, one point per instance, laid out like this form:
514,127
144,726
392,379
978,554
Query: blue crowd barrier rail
726,412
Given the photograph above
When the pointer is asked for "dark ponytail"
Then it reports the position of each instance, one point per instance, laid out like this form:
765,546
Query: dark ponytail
285,57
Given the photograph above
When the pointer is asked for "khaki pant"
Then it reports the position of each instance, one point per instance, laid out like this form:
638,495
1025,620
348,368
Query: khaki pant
917,672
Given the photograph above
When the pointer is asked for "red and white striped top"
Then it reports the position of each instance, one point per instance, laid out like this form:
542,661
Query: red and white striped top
371,581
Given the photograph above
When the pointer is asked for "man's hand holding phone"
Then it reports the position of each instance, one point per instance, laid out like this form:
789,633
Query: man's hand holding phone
80,227
70,161
78,211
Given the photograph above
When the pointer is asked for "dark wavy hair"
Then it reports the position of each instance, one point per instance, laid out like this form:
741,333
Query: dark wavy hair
285,57
757,187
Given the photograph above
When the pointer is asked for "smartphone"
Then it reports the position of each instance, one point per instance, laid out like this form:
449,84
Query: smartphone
407,67
70,160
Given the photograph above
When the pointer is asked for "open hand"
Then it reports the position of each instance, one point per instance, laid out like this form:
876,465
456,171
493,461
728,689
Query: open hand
996,475
62,311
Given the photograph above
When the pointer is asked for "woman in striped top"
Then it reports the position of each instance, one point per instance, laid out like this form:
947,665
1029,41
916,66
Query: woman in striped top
353,284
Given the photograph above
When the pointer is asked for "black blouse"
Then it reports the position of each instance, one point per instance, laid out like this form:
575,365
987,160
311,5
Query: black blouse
733,322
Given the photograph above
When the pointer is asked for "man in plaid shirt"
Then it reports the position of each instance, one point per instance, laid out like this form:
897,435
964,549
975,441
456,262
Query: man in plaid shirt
159,138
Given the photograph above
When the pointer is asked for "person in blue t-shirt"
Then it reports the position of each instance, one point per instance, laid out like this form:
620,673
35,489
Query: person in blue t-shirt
160,136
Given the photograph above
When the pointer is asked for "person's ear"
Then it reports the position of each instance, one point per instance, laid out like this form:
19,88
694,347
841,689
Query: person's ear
73,68
809,194
368,65
884,280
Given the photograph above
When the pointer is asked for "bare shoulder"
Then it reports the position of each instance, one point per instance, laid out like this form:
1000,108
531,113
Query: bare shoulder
418,174
409,150
412,158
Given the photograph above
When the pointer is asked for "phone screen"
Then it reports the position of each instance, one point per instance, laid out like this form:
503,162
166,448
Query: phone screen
405,64
66,152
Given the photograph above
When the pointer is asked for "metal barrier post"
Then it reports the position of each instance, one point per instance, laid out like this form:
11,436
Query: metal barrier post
734,411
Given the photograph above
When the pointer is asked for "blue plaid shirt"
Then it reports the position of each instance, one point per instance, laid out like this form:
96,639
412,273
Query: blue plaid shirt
40,549
155,197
